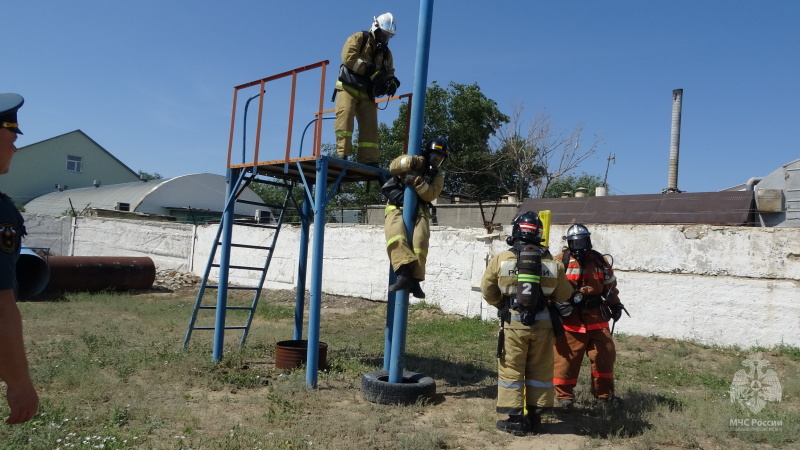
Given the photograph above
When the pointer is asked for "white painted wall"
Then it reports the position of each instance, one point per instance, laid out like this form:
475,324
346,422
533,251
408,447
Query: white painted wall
728,286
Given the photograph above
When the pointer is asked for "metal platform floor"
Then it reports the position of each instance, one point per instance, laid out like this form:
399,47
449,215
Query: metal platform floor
304,170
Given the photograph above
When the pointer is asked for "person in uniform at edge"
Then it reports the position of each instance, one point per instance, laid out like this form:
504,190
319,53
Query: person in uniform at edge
528,328
20,393
367,64
595,300
424,174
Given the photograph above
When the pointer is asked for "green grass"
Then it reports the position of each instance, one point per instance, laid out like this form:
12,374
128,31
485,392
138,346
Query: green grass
110,371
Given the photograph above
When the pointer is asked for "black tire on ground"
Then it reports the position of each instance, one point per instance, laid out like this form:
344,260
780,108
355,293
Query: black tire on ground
375,388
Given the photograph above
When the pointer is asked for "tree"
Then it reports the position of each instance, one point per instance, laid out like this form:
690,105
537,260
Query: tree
149,176
530,161
464,116
570,183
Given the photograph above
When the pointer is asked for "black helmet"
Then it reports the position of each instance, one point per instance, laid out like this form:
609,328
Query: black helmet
435,152
578,240
527,227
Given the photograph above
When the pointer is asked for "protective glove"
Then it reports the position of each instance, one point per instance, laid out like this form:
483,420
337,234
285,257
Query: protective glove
504,314
410,179
417,163
392,85
564,308
616,311
371,70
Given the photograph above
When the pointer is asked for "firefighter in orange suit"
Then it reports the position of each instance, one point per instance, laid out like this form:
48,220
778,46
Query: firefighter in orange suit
595,301
523,283
367,72
422,172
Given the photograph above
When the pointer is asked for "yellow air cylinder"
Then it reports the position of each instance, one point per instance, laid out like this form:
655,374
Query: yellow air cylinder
544,216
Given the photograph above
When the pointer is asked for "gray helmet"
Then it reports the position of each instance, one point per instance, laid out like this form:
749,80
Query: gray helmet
578,239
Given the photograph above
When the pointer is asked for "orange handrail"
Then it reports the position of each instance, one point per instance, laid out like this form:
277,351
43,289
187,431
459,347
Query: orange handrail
262,82
317,141
396,97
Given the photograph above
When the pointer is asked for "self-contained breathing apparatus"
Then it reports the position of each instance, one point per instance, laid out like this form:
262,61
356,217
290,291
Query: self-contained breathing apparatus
377,81
529,299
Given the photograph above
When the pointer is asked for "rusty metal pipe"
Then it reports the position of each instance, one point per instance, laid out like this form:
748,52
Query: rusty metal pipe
33,274
97,273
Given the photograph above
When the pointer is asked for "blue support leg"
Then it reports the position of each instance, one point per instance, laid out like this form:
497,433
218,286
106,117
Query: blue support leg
224,266
315,305
305,222
387,343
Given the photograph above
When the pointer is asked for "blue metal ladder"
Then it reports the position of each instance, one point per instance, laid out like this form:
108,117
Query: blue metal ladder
236,188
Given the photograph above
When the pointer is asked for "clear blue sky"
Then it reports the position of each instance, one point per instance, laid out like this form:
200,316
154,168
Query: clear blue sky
152,81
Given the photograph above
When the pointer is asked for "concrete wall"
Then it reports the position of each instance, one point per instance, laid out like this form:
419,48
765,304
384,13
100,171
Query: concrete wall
728,286
469,215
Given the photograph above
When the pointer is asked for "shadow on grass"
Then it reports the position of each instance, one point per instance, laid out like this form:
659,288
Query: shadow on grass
464,380
55,296
47,296
602,421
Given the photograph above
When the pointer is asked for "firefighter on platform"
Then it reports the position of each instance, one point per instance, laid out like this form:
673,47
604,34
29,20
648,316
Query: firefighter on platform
423,173
367,72
524,283
594,302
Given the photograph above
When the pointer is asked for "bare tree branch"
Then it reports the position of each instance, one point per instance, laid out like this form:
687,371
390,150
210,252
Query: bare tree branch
539,155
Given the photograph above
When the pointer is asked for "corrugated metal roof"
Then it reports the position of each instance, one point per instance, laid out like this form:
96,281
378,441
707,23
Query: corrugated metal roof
197,191
105,197
713,208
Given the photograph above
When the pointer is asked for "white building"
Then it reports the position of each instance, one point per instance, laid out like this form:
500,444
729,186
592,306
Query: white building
189,198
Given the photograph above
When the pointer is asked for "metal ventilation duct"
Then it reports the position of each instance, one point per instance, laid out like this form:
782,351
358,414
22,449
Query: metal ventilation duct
675,141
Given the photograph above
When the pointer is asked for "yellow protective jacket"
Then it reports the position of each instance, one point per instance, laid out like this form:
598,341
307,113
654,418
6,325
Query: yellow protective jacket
357,61
500,279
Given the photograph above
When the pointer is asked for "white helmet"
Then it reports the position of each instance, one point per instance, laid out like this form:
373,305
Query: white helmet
385,22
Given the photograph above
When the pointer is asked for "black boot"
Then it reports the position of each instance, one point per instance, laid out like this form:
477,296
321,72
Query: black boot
516,425
534,423
416,290
404,279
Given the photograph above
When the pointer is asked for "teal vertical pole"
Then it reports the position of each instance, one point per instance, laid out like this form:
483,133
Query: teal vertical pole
224,265
388,333
300,296
410,197
315,304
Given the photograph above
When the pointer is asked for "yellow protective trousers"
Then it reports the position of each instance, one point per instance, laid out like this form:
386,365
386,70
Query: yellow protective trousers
570,348
358,106
397,247
525,371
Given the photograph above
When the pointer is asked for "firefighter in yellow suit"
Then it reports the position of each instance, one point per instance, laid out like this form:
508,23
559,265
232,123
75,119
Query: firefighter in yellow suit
423,173
528,333
367,71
